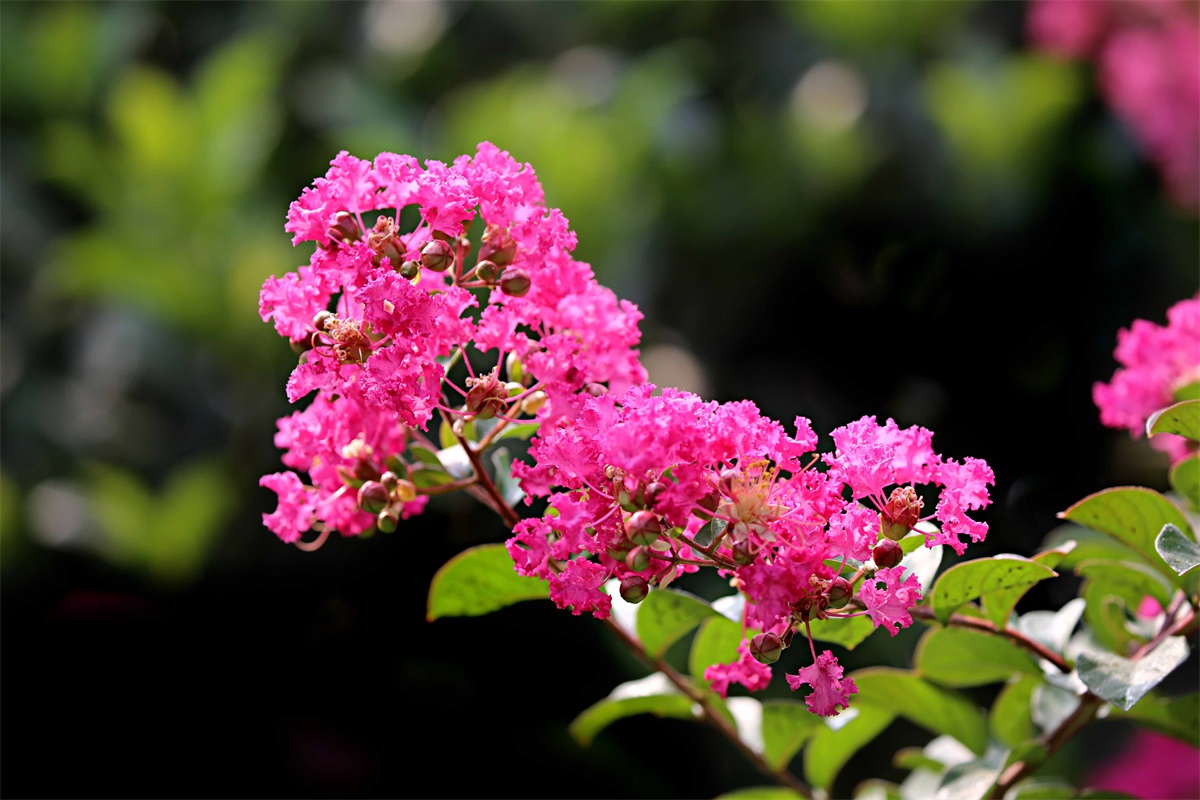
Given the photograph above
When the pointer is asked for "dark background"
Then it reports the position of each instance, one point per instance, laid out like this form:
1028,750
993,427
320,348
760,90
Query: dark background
830,209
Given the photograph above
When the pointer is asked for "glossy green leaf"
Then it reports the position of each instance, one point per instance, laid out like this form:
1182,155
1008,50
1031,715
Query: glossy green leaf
1185,479
650,695
1140,579
962,657
786,726
839,739
425,455
666,615
520,430
999,605
424,478
971,579
1189,391
480,580
1179,551
1181,419
710,531
1123,681
922,703
1135,516
716,642
1011,715
1177,717
848,633
761,793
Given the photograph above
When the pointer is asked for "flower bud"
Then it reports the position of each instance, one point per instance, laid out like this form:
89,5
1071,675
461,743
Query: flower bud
634,588
652,491
408,269
437,255
406,491
515,282
533,402
902,512
743,552
372,497
322,319
595,389
515,368
388,519
766,648
389,480
887,554
392,250
487,271
839,593
497,245
301,346
642,527
638,559
344,228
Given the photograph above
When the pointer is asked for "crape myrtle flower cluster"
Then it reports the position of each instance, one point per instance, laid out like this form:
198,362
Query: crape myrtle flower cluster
1156,363
645,487
640,485
378,312
1146,55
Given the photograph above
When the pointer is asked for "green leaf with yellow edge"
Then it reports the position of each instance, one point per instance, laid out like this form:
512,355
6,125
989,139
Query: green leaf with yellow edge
1011,716
1181,419
480,580
848,632
840,738
665,616
999,605
961,657
971,579
1134,516
786,726
653,694
1177,717
1185,479
1189,391
715,643
1140,579
923,703
1179,551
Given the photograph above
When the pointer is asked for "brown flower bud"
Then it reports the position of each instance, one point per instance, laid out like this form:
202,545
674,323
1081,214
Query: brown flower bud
887,554
634,588
322,319
902,512
766,648
652,491
345,228
515,282
437,255
839,593
497,246
642,527
372,497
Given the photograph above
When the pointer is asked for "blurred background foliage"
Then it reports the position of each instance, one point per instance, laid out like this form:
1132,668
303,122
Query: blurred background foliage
830,208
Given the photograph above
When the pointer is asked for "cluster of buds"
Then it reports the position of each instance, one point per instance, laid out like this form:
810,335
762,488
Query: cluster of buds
348,338
385,499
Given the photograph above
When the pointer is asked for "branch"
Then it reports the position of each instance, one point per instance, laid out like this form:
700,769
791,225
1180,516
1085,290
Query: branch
711,716
1016,637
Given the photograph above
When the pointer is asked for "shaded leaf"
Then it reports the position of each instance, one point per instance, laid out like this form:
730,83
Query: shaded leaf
1041,789
1133,515
480,580
969,580
1177,717
840,738
1179,551
1122,681
761,793
1185,479
1139,579
922,703
666,615
1011,715
510,487
520,430
424,478
848,633
1181,419
961,657
709,531
715,643
786,726
651,695
425,455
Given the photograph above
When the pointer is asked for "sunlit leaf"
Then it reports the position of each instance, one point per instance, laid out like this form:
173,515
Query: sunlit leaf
1179,551
969,580
716,642
999,604
1135,516
761,793
1011,715
786,726
839,739
1123,681
848,633
922,703
651,695
1181,419
666,615
480,580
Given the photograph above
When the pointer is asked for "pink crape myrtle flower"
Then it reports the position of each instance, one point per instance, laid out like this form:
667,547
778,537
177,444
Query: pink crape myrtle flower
747,671
1156,361
829,689
888,597
379,311
1147,55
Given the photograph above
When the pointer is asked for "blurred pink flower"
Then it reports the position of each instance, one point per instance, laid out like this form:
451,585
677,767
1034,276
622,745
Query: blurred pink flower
1151,766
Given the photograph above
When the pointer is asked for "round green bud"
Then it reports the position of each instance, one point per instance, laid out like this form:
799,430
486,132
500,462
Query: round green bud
437,255
643,527
372,497
766,648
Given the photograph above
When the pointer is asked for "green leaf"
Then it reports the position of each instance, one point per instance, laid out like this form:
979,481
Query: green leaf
848,633
875,789
961,657
786,726
1190,391
666,615
520,430
1185,479
1181,419
1122,681
1041,789
510,487
446,436
839,739
1088,543
1177,717
709,531
716,643
480,580
971,579
424,478
911,758
1139,579
922,703
761,793
999,604
425,455
1179,551
1133,515
1011,716
650,695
